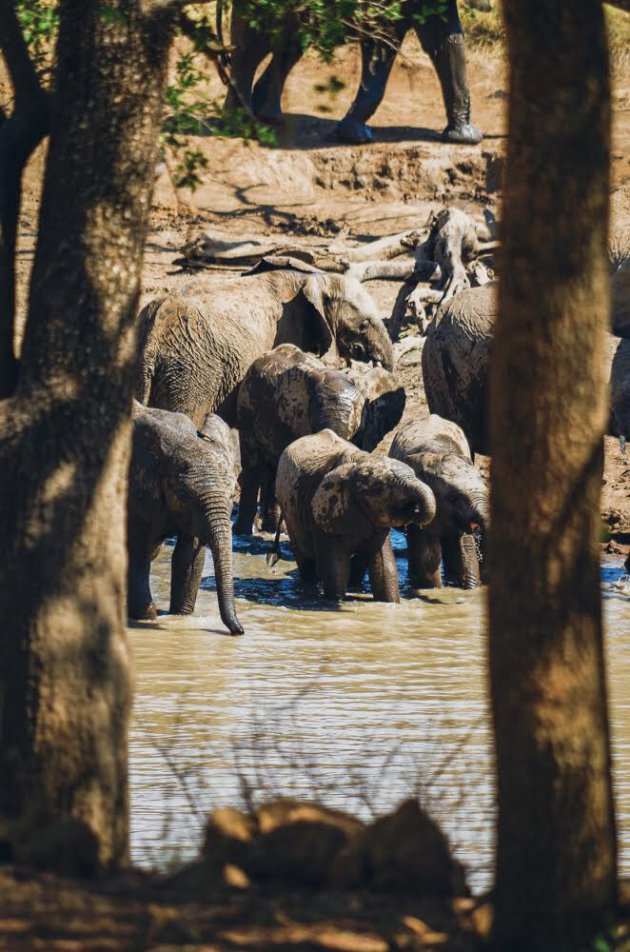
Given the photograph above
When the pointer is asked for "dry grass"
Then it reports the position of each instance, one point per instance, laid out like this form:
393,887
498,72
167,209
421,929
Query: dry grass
487,31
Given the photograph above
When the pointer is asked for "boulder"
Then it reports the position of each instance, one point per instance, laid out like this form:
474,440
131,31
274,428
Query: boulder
228,836
299,841
404,851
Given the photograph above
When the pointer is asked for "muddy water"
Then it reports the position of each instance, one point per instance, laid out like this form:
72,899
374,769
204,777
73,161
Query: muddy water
357,707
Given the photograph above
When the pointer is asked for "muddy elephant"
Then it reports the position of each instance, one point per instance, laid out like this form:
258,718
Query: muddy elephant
438,453
181,482
339,504
286,394
440,36
456,363
620,295
620,391
197,343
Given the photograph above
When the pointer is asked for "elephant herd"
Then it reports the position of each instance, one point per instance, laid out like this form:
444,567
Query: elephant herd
301,363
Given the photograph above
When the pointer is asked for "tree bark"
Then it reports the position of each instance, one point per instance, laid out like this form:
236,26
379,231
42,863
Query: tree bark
65,677
19,135
556,854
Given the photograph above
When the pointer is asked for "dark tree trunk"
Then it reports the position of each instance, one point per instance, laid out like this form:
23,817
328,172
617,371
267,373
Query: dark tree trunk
20,133
556,857
65,678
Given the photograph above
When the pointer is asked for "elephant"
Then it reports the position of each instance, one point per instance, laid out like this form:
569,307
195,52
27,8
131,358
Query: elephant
438,453
181,482
339,504
620,295
440,36
287,394
456,363
620,390
197,343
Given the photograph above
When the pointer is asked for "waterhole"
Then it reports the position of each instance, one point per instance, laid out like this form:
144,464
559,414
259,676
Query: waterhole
357,708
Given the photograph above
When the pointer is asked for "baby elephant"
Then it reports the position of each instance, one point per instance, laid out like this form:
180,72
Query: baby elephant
181,482
339,503
439,455
286,394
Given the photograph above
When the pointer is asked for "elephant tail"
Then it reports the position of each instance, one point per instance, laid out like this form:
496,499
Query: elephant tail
273,556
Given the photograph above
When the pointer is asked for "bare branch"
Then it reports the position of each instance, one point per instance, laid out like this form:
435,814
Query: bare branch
26,85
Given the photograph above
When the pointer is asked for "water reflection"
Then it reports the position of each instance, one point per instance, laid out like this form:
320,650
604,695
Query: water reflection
357,707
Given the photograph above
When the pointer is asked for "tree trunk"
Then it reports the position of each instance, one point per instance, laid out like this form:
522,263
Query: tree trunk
65,678
19,135
556,876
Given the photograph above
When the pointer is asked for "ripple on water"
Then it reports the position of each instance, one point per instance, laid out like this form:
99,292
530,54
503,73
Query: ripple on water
358,707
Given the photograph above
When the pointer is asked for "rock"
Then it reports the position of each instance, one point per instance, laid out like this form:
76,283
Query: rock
299,841
405,851
284,811
203,878
62,845
228,836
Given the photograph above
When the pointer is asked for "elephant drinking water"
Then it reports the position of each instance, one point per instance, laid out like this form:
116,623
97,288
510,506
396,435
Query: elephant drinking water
339,504
181,482
287,394
439,455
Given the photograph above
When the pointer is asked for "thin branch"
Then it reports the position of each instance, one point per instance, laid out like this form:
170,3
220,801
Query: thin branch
19,136
24,78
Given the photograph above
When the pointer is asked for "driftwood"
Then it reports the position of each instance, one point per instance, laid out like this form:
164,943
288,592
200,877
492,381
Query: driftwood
208,250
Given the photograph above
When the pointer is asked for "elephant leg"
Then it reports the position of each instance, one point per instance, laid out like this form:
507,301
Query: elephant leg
377,59
358,568
442,39
267,97
250,480
186,571
269,509
384,574
333,566
307,568
461,566
140,545
424,554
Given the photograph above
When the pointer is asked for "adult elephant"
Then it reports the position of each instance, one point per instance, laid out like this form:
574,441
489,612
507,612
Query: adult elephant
439,455
339,504
456,363
181,482
197,342
287,394
440,36
620,390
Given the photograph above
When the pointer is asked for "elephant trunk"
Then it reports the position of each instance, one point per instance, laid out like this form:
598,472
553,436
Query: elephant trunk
470,576
482,511
219,533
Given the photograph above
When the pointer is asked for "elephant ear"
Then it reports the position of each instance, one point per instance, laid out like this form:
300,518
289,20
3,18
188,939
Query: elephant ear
216,430
380,416
319,334
224,442
333,506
